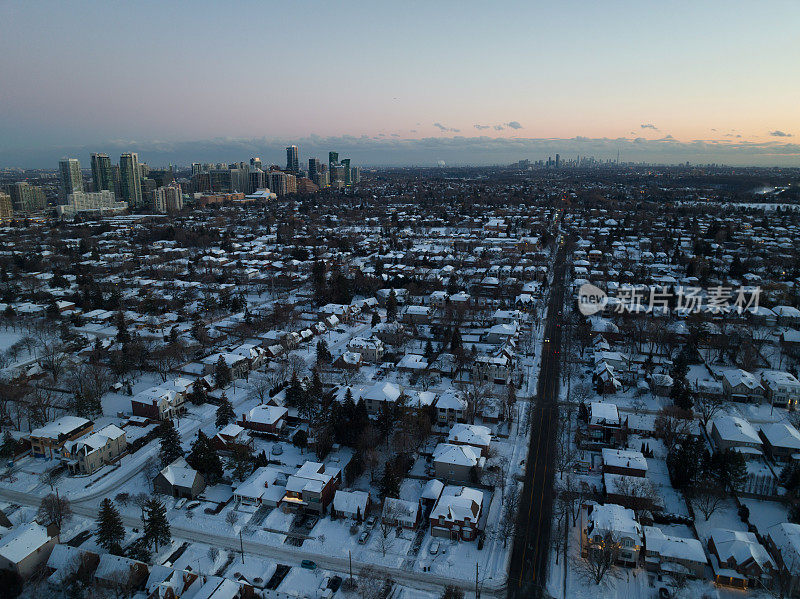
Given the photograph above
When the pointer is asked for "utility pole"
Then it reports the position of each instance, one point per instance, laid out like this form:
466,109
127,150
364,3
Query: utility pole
241,544
350,558
477,590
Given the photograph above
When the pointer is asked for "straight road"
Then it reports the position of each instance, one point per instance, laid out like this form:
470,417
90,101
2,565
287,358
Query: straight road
530,552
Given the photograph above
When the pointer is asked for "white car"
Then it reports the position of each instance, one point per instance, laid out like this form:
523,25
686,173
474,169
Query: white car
434,548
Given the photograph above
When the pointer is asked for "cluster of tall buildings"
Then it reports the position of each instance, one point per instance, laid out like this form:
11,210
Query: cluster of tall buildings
249,177
129,184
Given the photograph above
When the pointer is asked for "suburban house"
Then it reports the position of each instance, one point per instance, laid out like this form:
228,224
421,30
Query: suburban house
457,463
457,513
179,480
397,512
371,349
265,486
732,431
238,364
474,435
663,552
416,315
48,440
115,572
599,521
378,394
781,388
264,419
606,427
738,559
66,561
354,505
492,369
783,543
163,402
740,385
628,462
89,453
450,407
781,441
311,488
26,548
230,436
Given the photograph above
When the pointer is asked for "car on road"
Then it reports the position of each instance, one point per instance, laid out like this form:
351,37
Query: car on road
362,538
434,548
308,564
371,521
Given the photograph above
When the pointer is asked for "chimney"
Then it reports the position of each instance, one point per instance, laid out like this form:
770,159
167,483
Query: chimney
244,417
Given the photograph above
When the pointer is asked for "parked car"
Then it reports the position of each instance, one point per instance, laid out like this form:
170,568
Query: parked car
362,538
277,449
371,521
334,583
308,564
434,548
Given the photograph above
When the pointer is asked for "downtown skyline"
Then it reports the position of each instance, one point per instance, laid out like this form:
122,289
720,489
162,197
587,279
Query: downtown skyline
393,86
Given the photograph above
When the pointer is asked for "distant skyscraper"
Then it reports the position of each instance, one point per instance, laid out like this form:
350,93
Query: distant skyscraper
102,175
345,163
355,175
130,179
255,162
6,209
168,199
71,176
278,183
26,197
196,168
558,160
333,160
314,169
293,159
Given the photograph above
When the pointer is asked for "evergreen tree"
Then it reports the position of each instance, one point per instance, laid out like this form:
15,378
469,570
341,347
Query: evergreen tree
110,531
390,481
222,373
323,353
198,395
204,458
376,318
391,307
156,526
225,413
295,391
122,328
428,350
171,448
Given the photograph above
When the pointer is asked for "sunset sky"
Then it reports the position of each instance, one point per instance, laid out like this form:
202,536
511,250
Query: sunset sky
401,82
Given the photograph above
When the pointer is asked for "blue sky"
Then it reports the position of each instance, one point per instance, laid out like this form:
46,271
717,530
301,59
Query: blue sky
401,82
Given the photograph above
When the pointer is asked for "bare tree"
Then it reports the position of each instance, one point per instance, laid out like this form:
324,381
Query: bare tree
707,406
600,560
386,525
706,499
260,388
54,509
372,584
53,360
672,426
508,520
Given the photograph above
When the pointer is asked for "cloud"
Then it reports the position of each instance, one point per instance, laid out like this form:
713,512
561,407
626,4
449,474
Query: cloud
454,149
481,127
444,129
649,126
779,133
513,125
498,127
